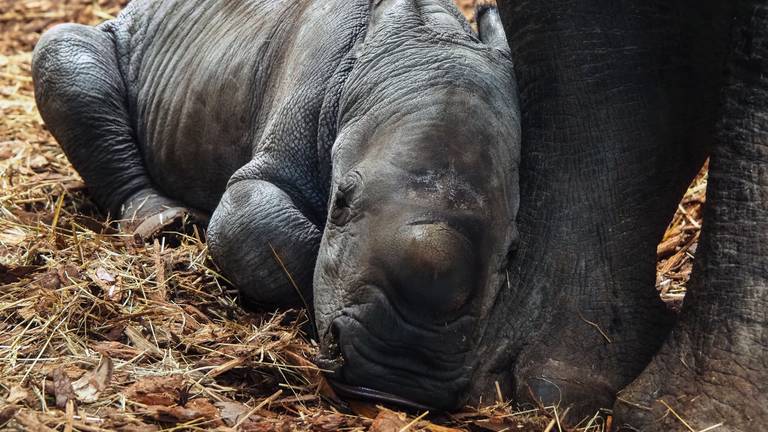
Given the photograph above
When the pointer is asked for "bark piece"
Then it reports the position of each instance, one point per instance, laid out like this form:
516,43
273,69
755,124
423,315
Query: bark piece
115,350
193,410
162,391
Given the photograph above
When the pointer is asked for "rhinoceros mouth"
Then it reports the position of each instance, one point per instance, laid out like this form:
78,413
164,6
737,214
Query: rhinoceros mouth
408,366
368,394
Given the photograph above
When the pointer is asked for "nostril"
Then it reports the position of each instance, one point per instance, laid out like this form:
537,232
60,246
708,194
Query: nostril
335,332
340,211
330,357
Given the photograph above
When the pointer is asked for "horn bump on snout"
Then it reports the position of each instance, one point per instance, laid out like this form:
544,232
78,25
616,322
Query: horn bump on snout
436,264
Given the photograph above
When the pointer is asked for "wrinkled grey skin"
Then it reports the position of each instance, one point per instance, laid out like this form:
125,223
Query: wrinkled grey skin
382,140
621,101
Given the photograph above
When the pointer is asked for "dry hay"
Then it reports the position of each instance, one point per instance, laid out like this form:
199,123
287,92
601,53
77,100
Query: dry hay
676,251
100,332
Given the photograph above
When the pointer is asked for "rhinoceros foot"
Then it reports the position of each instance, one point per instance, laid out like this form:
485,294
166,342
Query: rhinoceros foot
706,384
148,215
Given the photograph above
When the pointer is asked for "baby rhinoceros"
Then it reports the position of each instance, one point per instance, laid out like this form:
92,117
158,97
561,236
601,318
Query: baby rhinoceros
369,149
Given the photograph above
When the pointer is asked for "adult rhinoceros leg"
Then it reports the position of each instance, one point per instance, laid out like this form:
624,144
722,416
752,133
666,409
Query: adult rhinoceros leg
618,104
264,244
714,366
82,98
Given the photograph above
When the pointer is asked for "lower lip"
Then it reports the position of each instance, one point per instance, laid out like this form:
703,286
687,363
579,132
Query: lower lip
364,393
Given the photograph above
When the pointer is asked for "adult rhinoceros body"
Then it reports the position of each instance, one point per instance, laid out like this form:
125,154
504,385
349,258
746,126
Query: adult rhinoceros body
389,129
621,102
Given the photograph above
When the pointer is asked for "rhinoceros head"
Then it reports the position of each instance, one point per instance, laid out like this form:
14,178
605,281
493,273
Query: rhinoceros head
423,199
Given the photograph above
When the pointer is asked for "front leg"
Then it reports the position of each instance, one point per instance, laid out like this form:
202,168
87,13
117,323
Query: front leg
264,244
610,144
713,369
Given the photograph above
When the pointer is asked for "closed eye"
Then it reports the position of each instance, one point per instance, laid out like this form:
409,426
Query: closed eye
341,212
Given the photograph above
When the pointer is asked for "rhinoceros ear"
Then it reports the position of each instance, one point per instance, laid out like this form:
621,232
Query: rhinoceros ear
490,28
443,16
380,11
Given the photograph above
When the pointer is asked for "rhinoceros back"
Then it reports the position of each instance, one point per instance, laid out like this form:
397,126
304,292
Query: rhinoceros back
214,83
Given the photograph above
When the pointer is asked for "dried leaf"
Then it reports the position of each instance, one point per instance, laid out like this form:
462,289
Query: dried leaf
141,343
325,389
62,388
116,419
50,281
493,424
17,393
88,387
307,368
114,293
259,424
231,411
115,333
108,284
27,313
104,276
389,421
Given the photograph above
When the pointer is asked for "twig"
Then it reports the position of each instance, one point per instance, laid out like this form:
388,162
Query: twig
551,425
414,421
713,427
597,326
669,408
261,405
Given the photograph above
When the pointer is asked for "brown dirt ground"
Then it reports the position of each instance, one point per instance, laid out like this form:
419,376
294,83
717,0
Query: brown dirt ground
100,332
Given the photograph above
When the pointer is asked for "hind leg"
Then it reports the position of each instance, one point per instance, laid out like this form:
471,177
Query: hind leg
82,98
